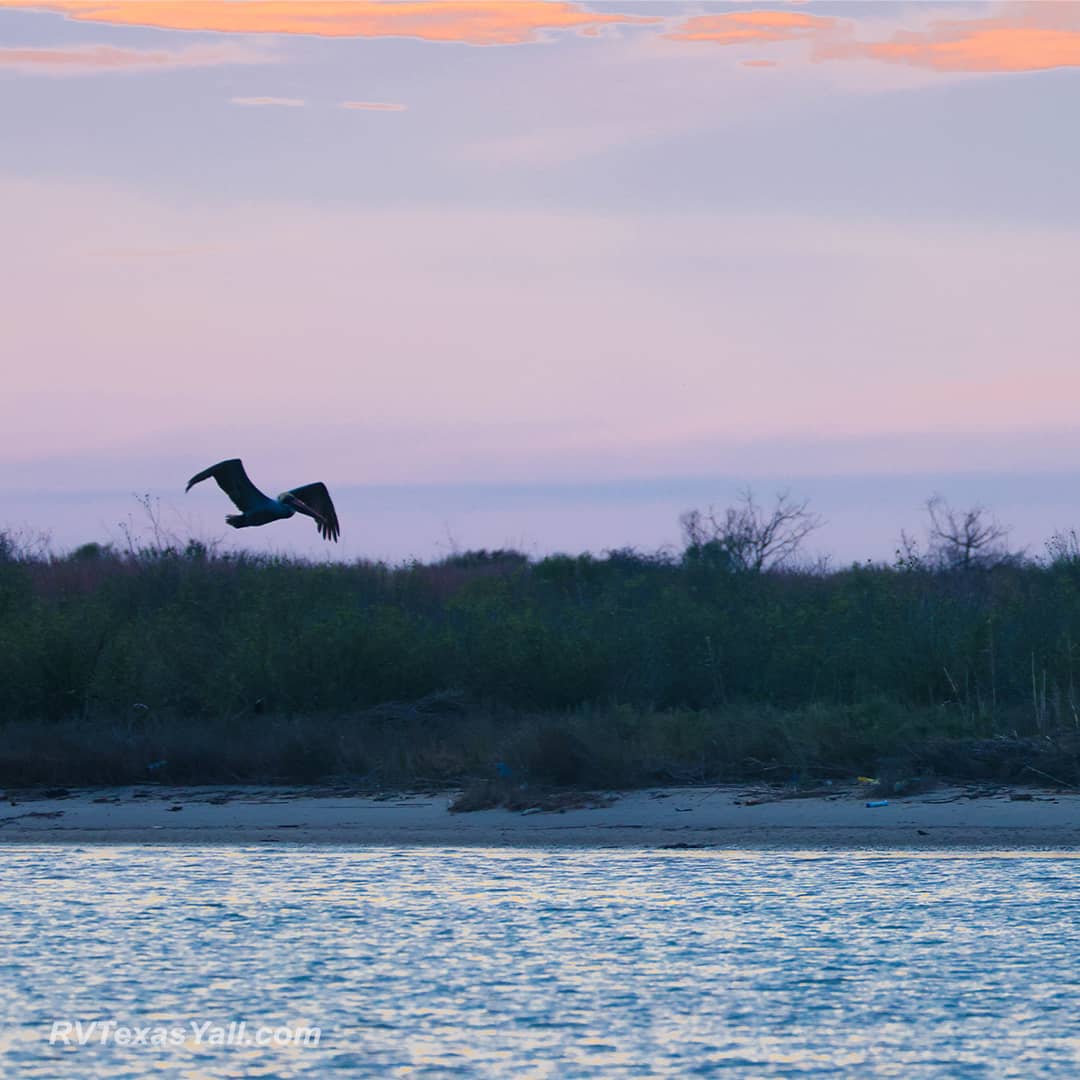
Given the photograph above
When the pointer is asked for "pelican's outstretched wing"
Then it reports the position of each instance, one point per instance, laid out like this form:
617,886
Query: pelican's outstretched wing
232,479
314,500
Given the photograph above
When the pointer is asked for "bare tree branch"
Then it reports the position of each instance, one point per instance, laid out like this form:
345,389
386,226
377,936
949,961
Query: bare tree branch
961,539
749,538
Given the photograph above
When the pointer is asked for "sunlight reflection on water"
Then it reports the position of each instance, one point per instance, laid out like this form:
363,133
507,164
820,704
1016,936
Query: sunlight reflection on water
506,962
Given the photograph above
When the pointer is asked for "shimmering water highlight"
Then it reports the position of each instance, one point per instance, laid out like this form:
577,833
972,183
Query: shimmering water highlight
500,962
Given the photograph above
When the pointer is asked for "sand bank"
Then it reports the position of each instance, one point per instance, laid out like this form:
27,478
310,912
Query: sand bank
727,817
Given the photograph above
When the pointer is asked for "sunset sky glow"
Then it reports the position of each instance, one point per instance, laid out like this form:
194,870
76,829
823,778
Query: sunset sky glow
539,273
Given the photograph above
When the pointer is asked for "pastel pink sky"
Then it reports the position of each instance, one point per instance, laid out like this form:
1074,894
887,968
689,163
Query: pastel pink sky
528,244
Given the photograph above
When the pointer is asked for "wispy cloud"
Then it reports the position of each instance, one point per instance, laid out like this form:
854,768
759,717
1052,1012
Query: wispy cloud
750,27
977,45
287,102
375,106
473,22
94,59
1018,37
1021,37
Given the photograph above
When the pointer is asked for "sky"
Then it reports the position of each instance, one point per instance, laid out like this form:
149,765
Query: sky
538,274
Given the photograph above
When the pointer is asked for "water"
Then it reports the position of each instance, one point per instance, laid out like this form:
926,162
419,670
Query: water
512,963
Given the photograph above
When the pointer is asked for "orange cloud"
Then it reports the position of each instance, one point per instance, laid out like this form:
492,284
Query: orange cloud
1031,37
1034,37
980,45
473,22
758,63
751,27
375,106
89,59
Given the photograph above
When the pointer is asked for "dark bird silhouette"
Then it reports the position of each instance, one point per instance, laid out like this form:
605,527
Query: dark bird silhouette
259,509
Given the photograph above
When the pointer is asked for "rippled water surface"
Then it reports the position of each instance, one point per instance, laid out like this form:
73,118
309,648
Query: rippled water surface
510,963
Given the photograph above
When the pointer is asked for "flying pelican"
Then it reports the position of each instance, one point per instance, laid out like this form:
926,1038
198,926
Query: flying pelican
259,509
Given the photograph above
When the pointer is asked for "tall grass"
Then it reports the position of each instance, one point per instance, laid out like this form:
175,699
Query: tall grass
658,666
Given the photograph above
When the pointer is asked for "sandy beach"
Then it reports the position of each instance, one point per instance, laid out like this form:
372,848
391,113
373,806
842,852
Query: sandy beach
727,817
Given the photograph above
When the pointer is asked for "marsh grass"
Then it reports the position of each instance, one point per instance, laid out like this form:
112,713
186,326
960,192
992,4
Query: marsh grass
569,671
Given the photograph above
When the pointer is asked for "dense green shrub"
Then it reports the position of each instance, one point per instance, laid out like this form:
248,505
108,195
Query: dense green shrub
195,635
794,665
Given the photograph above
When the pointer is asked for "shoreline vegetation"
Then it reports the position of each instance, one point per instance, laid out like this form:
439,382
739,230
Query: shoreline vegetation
730,661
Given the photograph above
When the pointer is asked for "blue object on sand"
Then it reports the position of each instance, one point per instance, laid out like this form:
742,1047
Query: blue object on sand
877,802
